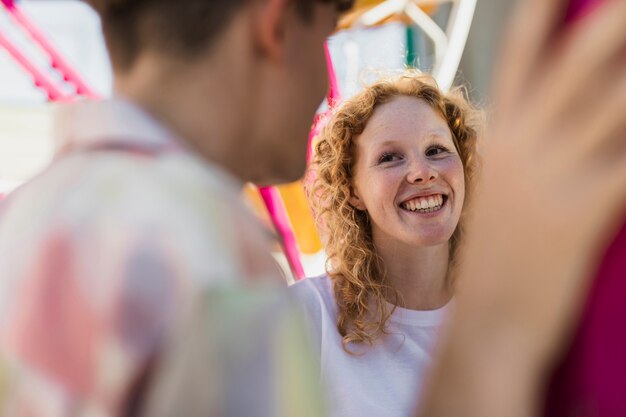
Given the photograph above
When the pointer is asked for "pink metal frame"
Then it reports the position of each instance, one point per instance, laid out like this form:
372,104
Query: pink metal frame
56,59
53,91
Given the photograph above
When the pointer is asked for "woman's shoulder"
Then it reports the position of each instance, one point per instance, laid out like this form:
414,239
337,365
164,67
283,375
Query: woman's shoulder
320,286
314,294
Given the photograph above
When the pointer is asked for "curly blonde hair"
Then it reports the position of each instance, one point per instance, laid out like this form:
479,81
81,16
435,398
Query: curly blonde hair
356,270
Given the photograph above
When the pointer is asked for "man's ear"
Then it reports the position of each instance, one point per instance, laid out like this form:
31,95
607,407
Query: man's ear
270,19
355,200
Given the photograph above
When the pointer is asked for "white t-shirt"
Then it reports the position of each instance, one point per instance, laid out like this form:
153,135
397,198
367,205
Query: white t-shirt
382,380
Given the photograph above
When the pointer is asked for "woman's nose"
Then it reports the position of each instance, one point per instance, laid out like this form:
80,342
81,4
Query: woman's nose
421,172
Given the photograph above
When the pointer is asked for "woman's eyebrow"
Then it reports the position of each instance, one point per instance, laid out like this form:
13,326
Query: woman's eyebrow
387,142
440,133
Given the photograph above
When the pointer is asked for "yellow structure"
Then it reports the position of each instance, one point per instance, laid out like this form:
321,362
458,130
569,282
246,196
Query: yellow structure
302,223
361,6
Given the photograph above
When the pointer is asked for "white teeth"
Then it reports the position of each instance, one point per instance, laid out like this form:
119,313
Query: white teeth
425,204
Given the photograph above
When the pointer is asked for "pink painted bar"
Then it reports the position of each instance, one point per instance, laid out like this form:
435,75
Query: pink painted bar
56,60
333,94
41,80
278,214
332,99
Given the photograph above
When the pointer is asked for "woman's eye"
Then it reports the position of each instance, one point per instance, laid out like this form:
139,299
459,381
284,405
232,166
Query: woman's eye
388,157
436,150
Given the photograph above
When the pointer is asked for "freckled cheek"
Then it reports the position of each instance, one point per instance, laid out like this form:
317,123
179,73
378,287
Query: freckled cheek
380,188
455,176
388,182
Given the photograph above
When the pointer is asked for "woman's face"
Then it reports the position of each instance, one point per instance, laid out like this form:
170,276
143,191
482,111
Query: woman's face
408,175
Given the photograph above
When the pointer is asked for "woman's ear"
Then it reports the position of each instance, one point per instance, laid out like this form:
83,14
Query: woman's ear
355,200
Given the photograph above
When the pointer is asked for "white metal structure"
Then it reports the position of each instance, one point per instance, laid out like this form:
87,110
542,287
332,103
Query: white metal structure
448,42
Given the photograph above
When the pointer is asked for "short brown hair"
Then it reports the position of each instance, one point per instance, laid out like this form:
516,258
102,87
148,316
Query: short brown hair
183,27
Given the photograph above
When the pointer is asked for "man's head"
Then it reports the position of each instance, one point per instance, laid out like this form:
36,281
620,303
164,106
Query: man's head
260,63
186,27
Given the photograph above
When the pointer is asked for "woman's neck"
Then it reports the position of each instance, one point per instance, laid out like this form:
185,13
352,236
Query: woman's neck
417,274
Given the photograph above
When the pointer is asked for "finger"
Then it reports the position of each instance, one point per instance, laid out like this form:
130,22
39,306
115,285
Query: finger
602,179
593,131
611,166
584,56
611,180
531,27
619,177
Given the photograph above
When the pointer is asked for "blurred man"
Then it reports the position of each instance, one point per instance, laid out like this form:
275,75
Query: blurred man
132,280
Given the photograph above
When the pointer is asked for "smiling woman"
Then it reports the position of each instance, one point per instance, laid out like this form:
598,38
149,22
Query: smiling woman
394,167
408,175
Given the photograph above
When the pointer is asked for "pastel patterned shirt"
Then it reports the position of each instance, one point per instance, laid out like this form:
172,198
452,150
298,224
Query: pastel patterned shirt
133,281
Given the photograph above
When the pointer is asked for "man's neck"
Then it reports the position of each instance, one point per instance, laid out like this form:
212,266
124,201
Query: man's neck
209,105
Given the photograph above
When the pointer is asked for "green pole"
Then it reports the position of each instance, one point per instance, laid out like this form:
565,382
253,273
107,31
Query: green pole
410,47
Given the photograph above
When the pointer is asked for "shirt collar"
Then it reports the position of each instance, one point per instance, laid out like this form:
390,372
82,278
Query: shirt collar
90,123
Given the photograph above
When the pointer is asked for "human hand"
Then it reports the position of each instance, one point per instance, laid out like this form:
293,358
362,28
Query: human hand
554,176
553,189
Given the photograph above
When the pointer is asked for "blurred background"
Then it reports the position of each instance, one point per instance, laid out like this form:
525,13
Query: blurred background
370,43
